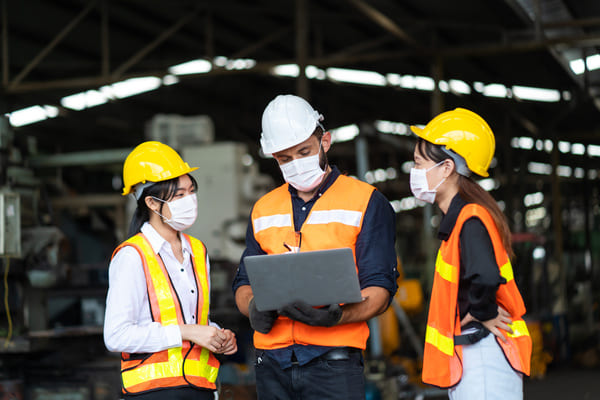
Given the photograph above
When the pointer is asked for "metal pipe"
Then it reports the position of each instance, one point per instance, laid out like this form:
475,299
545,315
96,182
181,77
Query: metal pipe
97,157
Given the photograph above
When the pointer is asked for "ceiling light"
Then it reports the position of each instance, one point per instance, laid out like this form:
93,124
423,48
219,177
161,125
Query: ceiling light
539,168
291,70
191,67
458,86
593,150
133,86
356,76
30,115
593,62
533,199
495,90
536,94
344,133
577,66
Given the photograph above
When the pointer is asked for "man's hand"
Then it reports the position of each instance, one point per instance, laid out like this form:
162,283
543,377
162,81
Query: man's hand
261,321
494,325
302,312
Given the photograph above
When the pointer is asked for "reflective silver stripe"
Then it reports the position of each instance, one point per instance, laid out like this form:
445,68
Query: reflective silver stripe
270,221
345,217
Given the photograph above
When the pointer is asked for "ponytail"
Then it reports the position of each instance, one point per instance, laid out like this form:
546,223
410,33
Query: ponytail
471,192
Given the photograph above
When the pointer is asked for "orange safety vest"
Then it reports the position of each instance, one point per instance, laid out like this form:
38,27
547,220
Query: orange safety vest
334,221
442,361
189,365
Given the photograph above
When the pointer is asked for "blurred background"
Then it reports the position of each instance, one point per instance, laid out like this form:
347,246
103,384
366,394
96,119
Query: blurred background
83,82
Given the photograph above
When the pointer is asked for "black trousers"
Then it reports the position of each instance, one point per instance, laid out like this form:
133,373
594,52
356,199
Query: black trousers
320,379
175,394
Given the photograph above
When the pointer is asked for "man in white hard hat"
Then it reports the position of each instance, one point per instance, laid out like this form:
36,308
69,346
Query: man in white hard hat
304,352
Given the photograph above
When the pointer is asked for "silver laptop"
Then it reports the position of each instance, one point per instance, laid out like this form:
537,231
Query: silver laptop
319,278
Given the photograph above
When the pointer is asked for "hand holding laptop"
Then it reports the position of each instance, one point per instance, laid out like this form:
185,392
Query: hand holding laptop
302,312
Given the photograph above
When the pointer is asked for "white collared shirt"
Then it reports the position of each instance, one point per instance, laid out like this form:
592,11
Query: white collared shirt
128,325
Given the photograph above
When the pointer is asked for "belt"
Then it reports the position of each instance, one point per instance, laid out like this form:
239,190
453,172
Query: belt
340,353
471,338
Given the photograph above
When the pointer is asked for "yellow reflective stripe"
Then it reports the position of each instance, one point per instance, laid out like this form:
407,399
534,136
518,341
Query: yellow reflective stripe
346,217
144,373
507,272
166,302
270,221
445,270
202,274
519,328
442,343
201,368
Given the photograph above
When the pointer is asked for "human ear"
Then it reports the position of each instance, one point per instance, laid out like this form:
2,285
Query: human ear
326,141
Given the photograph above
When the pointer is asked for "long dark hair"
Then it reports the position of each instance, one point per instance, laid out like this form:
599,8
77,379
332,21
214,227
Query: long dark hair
471,192
164,190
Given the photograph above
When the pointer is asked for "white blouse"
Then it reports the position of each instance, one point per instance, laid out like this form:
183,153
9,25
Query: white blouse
128,325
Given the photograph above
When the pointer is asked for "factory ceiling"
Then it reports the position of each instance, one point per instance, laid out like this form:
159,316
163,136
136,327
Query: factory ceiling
484,54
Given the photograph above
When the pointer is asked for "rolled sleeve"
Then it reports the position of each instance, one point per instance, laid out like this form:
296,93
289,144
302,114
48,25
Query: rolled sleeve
252,249
375,251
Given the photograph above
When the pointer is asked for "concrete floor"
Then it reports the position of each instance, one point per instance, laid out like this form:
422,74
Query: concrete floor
565,383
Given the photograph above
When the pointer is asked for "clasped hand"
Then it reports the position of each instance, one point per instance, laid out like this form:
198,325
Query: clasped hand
217,340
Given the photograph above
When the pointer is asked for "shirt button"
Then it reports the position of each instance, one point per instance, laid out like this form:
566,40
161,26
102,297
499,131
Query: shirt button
181,269
193,317
192,290
303,208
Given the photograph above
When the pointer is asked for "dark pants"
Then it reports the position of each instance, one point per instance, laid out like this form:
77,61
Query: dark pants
175,394
320,379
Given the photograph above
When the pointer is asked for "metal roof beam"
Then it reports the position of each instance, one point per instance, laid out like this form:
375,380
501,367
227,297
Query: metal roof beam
57,39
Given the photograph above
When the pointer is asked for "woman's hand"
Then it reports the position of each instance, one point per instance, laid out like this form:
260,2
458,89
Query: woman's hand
206,336
494,325
230,345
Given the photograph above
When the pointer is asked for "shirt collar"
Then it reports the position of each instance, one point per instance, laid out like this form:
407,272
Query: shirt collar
333,175
449,219
158,242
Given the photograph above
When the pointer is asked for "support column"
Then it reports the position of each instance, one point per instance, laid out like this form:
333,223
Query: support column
302,88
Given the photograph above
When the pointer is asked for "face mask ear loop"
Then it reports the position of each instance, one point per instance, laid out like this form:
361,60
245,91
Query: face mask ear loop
164,219
442,181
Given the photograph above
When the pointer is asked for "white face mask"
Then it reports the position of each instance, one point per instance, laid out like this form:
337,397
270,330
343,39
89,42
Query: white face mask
304,174
419,185
183,212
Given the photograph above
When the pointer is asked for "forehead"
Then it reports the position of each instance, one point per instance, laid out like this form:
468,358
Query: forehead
311,141
184,181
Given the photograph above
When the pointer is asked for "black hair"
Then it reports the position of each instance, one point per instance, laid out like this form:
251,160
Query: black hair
164,190
471,192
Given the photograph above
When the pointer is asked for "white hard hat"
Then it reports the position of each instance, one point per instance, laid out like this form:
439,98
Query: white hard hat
287,121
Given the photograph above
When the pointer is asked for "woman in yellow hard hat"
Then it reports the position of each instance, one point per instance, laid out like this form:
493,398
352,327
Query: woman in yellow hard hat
157,305
474,292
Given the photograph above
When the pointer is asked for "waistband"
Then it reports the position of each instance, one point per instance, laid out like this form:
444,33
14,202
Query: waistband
339,353
475,335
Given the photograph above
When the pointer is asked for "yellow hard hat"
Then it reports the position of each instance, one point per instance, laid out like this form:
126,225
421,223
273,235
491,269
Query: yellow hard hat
465,133
152,162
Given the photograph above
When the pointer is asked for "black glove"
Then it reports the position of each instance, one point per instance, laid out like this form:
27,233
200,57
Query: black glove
261,321
302,312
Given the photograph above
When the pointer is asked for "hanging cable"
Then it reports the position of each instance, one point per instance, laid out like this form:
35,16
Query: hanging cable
6,306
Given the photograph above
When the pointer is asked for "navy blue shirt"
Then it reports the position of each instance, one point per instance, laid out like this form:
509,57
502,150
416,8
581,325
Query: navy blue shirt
375,256
479,273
